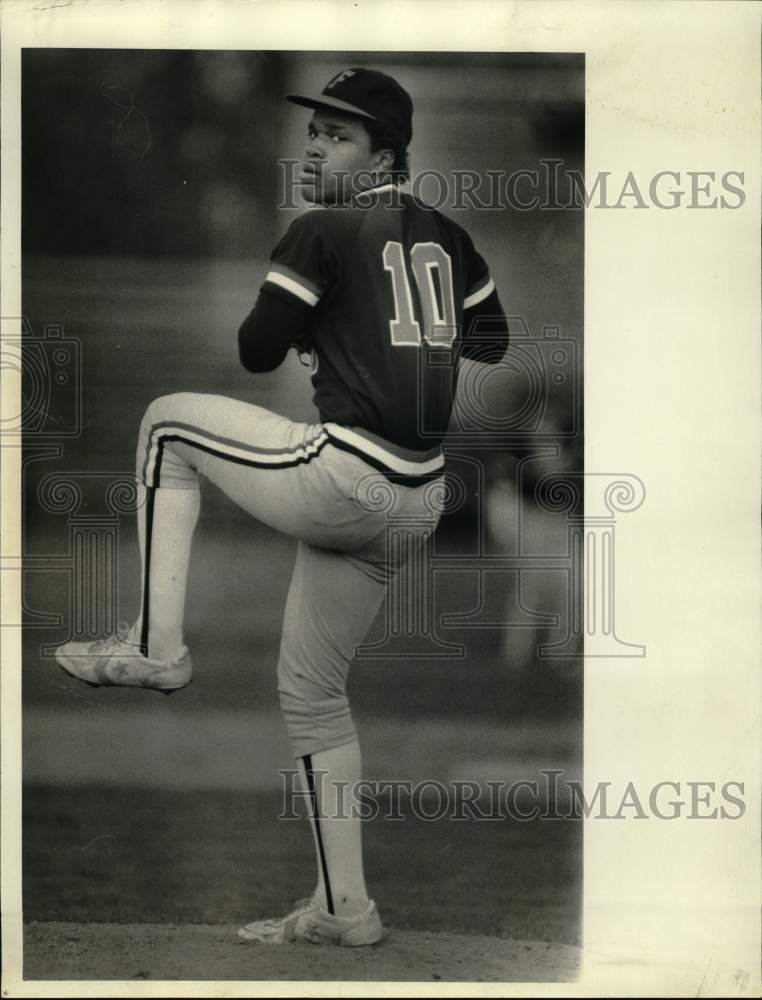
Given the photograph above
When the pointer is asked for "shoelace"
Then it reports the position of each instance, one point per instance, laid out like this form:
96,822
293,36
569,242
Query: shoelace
112,644
300,906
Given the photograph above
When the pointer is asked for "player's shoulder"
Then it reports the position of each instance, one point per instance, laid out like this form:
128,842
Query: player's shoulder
438,218
332,224
337,227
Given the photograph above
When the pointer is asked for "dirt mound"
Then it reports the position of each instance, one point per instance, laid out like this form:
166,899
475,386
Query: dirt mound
204,952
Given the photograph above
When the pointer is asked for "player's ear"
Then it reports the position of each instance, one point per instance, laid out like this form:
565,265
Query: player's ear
384,159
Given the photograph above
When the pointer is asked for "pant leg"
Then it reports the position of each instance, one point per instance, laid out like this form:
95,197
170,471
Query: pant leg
267,464
272,467
289,476
332,602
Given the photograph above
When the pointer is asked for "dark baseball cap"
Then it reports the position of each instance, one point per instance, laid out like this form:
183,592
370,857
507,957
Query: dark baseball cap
369,94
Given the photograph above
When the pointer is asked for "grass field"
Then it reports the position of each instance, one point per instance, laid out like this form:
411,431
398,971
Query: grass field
187,860
222,857
163,825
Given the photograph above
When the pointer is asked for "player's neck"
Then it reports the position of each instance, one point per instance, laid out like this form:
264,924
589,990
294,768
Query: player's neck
385,190
382,187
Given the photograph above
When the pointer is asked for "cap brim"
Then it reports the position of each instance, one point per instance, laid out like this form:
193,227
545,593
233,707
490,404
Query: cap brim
317,103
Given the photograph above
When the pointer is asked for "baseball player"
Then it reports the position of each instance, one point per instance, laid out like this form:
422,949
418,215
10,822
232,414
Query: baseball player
387,296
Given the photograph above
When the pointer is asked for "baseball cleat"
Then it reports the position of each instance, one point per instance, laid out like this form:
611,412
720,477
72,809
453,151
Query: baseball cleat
113,662
309,922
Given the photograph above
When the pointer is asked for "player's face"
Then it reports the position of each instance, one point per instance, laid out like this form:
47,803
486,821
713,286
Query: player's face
338,161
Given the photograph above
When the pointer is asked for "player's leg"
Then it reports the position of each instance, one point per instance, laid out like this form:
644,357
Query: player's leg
258,459
166,522
168,518
333,599
330,776
325,781
245,450
332,602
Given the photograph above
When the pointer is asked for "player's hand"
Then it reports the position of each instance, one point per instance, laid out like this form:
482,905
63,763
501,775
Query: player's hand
303,349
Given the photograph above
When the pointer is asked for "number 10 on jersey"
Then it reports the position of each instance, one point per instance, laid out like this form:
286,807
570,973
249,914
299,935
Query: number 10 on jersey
432,270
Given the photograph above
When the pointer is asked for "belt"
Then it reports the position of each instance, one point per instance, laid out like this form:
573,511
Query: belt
400,465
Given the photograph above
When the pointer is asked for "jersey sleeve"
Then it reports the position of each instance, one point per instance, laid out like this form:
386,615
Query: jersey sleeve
304,264
303,267
485,327
479,284
272,327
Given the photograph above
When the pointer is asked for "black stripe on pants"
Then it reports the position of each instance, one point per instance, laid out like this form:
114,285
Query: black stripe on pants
318,836
150,491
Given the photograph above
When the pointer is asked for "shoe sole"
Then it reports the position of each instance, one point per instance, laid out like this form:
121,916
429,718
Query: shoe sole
92,684
359,937
269,943
377,938
344,942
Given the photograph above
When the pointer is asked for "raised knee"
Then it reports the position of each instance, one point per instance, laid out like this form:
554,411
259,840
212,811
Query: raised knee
152,415
159,411
166,407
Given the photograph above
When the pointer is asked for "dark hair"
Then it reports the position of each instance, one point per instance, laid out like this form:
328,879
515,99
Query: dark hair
384,137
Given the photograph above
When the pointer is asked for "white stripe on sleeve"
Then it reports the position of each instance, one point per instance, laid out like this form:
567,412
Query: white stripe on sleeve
305,294
479,295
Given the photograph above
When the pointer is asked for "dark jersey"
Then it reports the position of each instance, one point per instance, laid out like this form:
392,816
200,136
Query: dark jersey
387,282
